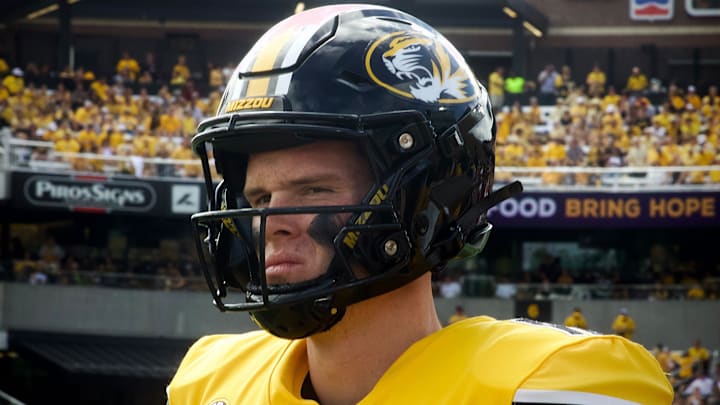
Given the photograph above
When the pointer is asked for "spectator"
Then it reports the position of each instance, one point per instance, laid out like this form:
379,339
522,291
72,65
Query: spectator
696,292
68,143
575,154
565,118
664,358
32,75
547,80
555,152
715,396
578,108
624,325
450,287
514,88
14,82
496,87
515,151
684,366
576,319
595,82
713,96
637,82
611,98
174,279
458,315
50,253
565,83
699,354
149,68
180,72
693,98
534,113
127,68
701,384
676,99
38,276
215,78
564,282
4,68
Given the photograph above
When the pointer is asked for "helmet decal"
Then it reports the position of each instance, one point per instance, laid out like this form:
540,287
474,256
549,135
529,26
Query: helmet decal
380,195
418,67
282,46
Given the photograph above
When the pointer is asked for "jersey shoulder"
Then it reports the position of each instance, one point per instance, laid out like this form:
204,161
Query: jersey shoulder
573,365
248,356
519,361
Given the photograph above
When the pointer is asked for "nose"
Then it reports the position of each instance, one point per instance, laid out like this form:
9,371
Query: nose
281,226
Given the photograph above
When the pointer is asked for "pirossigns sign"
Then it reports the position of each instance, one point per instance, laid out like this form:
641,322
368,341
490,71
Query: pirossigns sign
90,192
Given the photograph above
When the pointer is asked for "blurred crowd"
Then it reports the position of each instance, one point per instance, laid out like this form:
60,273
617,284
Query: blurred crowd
55,263
592,124
694,373
551,121
79,112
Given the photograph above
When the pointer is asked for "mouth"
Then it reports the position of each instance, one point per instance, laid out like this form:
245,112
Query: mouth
280,269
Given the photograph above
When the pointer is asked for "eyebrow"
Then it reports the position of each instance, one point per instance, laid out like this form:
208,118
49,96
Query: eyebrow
299,182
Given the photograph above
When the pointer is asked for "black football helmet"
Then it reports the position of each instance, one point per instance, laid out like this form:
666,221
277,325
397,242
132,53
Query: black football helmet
404,95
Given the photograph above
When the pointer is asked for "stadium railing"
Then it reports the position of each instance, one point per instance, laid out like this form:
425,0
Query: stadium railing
22,154
656,178
41,156
474,285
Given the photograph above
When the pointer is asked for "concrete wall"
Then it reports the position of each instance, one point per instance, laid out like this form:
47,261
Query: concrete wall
106,311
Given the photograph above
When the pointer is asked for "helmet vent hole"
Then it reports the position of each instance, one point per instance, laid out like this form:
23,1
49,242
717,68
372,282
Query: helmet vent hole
355,80
395,20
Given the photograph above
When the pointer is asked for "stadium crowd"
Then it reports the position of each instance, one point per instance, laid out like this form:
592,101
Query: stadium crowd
142,113
79,113
553,121
594,125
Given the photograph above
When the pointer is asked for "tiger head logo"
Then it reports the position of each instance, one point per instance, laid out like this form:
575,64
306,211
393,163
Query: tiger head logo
418,68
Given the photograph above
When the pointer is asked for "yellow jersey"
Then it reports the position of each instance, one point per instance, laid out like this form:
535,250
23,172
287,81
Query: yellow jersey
624,326
477,361
576,320
699,353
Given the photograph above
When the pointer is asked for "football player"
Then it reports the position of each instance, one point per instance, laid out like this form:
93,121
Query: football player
356,154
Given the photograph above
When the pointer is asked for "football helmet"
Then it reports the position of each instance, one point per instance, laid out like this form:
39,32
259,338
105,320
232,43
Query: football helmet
403,94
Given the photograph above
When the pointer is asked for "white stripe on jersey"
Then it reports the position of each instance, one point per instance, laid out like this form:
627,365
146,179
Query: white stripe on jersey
566,397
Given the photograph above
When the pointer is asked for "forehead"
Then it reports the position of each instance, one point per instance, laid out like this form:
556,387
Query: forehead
343,159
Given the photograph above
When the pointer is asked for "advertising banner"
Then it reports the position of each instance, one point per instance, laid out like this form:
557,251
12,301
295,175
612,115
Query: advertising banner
106,195
183,197
609,210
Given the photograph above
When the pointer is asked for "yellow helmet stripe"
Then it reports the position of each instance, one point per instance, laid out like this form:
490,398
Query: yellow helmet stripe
264,62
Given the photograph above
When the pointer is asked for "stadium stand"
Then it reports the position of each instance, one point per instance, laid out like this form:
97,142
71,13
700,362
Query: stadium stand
608,141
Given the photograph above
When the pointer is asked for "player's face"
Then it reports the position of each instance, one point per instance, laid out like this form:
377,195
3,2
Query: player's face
298,247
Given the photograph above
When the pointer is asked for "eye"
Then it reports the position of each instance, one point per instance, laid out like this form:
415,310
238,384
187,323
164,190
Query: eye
318,190
260,201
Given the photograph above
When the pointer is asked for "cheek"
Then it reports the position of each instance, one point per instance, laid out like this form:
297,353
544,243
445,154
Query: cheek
325,227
